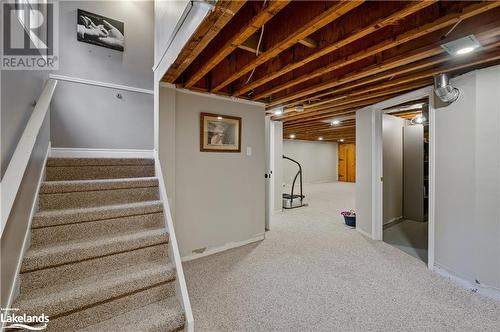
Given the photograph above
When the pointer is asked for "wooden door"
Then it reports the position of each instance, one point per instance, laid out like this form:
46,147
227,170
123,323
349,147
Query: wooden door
347,162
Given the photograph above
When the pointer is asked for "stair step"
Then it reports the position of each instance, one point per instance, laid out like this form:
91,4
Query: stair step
74,251
96,266
78,295
90,168
165,315
90,193
99,161
54,226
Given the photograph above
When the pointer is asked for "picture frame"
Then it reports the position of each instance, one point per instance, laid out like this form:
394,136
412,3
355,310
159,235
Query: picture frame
100,30
220,133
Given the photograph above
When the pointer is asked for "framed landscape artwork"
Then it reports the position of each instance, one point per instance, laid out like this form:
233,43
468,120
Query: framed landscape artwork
220,133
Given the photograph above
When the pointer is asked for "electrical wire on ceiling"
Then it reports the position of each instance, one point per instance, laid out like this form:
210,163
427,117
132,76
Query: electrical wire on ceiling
258,46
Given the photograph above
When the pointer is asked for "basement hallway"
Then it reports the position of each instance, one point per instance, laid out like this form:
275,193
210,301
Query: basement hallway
313,273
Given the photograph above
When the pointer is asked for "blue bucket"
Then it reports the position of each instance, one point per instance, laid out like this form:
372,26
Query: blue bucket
350,221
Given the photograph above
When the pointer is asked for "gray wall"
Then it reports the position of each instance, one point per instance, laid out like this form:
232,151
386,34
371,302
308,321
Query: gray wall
468,180
19,90
392,134
219,197
92,117
17,224
364,174
319,161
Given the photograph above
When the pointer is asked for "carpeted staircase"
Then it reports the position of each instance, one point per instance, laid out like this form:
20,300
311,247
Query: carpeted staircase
98,259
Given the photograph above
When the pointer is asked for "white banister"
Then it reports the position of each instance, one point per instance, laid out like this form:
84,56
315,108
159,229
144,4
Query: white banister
14,173
181,287
100,83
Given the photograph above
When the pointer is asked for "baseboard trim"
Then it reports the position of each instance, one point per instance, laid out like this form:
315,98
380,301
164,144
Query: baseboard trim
368,235
14,291
484,290
227,246
393,221
100,153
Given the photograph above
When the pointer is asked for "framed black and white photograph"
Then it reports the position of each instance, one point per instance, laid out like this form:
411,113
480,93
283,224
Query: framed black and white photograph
220,133
100,30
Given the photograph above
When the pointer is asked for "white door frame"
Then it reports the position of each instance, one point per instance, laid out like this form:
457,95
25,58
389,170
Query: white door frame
377,169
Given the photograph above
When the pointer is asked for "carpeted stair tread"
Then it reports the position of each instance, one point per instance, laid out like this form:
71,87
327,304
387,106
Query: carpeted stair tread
71,216
78,294
96,266
165,315
58,162
52,187
74,251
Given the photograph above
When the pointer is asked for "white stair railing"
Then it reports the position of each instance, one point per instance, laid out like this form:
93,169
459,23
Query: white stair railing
14,173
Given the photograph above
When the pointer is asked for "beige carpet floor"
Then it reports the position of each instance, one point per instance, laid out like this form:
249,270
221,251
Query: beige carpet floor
312,273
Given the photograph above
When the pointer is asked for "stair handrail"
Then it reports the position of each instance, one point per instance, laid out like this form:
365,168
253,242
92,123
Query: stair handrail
13,176
181,287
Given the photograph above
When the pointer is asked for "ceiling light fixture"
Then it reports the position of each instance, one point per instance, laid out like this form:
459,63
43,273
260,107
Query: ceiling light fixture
292,136
462,45
278,111
219,118
320,138
341,140
419,119
335,122
299,108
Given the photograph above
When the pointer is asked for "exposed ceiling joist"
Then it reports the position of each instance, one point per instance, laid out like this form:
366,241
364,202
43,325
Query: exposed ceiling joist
269,9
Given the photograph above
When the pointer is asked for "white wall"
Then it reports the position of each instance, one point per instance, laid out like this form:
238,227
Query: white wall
92,117
468,180
319,161
219,198
392,134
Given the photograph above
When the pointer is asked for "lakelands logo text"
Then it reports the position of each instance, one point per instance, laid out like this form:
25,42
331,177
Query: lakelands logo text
30,38
23,322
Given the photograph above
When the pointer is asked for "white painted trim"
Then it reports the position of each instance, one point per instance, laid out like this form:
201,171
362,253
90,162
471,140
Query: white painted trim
174,255
100,84
484,290
426,92
368,235
227,246
377,174
14,290
99,153
17,166
215,96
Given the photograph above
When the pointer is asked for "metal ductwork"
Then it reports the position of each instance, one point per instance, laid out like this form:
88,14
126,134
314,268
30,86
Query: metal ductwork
444,90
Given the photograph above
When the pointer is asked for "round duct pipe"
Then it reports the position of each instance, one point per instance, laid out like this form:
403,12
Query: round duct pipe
444,90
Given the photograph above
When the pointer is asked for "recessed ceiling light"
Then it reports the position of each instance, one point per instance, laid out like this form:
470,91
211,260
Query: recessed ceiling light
292,136
278,111
299,108
219,118
341,140
335,122
465,50
320,138
462,45
419,119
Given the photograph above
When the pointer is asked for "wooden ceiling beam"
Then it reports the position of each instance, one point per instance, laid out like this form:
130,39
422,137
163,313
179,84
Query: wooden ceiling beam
436,25
222,13
306,26
428,74
402,64
364,31
237,38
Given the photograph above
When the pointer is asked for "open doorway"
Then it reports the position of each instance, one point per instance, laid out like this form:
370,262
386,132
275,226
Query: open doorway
405,172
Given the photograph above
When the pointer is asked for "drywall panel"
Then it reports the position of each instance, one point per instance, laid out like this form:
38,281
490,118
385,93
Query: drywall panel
364,174
392,133
319,161
93,117
277,152
467,180
219,197
413,172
